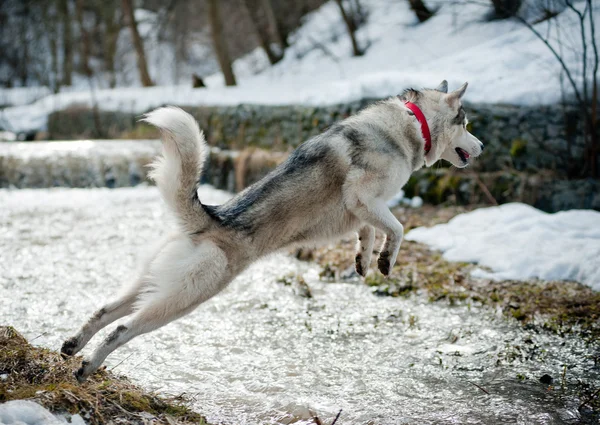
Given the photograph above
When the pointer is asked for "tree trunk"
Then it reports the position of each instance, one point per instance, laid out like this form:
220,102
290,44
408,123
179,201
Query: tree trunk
219,42
421,10
351,27
67,42
50,23
506,8
23,63
181,21
273,25
84,46
112,26
263,36
137,43
594,118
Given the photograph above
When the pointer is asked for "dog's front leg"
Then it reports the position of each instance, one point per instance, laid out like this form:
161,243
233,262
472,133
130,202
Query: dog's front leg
364,251
379,215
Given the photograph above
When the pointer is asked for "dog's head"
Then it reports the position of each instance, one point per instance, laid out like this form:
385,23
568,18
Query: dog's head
447,122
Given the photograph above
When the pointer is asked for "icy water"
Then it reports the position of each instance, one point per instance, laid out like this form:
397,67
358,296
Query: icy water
261,353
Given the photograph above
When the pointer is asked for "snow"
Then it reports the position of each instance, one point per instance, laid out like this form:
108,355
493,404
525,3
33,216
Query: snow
400,199
502,60
517,241
22,95
25,412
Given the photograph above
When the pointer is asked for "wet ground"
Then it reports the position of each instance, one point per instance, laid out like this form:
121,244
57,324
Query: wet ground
262,351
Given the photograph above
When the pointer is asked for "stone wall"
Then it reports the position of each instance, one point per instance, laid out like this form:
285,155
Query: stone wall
521,138
533,154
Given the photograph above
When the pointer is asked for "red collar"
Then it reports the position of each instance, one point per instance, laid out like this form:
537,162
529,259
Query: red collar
423,121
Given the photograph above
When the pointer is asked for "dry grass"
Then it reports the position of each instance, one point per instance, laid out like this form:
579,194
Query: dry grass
44,376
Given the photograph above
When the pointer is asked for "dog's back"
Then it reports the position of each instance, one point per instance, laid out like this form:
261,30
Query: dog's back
301,200
297,202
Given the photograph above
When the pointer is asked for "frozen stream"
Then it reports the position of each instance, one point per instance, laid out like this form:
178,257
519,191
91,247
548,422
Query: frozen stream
259,352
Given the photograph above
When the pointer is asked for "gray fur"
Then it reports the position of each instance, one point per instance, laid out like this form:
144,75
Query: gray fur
334,184
460,117
443,87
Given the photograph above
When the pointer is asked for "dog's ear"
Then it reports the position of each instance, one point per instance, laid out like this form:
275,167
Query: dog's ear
443,87
454,97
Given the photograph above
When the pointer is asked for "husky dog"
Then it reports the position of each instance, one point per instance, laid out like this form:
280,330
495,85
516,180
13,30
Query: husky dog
335,183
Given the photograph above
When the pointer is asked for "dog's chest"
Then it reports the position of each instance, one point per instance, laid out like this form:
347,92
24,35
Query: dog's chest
395,179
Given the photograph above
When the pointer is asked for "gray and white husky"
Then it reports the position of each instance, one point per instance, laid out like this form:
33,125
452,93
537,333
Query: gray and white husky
333,184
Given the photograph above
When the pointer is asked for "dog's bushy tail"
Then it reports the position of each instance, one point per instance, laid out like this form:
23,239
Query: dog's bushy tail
178,170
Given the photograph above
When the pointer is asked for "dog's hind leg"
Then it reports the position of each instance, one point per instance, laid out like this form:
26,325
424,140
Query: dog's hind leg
183,280
113,310
103,317
366,240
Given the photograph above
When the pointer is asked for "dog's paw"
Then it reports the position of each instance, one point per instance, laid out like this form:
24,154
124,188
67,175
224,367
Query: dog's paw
383,263
83,372
69,347
361,268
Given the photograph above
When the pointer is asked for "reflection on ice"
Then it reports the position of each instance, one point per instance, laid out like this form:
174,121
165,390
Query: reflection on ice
259,353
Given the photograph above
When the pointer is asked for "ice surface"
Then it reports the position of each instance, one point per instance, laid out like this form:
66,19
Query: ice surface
502,60
260,353
25,412
518,241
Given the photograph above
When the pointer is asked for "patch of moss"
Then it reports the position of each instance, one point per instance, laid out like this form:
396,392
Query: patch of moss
518,148
44,376
561,307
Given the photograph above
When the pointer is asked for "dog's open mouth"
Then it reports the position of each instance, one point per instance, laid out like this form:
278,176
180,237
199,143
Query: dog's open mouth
463,154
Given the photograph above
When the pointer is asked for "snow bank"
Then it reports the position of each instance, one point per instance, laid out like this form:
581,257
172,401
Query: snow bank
503,61
400,199
518,241
22,95
25,412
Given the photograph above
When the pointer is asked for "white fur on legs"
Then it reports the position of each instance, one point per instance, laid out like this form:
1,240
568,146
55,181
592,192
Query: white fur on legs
114,310
101,318
366,240
379,215
181,277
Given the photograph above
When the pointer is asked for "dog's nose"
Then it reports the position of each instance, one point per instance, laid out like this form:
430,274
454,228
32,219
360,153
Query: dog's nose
482,146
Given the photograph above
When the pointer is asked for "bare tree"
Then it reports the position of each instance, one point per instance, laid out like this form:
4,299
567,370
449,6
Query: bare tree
49,21
261,32
112,25
180,18
137,43
586,99
351,26
219,42
274,28
23,69
84,37
421,10
67,42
